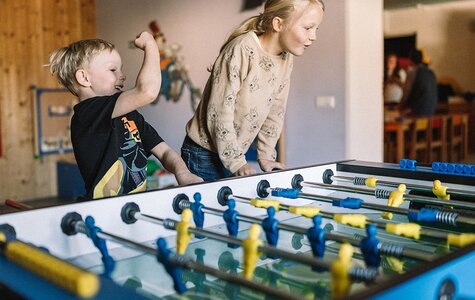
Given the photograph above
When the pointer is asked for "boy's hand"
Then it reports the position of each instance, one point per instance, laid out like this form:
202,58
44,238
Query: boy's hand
144,39
269,165
245,170
186,177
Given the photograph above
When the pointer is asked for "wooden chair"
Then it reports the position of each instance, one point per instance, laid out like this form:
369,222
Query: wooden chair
390,141
438,139
457,137
419,138
395,139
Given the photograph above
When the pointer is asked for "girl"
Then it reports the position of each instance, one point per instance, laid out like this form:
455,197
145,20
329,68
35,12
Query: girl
246,94
394,79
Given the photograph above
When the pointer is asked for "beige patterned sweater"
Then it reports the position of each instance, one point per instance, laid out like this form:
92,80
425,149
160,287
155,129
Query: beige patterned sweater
244,99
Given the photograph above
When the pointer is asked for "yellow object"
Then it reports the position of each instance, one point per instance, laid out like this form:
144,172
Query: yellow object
461,240
395,264
425,58
250,251
440,191
352,220
410,230
264,203
371,182
341,282
183,236
67,276
396,198
422,124
306,211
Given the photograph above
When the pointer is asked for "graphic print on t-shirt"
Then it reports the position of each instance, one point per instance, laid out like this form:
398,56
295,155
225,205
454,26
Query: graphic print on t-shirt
128,174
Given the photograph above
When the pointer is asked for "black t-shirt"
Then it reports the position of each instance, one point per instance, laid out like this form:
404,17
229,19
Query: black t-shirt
111,153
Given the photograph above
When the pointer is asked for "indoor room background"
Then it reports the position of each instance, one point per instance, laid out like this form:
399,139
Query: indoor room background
344,64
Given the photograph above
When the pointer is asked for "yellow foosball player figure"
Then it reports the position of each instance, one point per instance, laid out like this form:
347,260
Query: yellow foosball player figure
183,235
251,252
396,198
341,282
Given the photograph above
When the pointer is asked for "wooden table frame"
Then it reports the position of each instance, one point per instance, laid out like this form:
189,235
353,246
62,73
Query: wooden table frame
399,128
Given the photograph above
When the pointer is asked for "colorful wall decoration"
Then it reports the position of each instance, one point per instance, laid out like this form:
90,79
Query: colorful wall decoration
175,77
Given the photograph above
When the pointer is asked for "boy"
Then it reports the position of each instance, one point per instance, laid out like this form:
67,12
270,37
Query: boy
111,140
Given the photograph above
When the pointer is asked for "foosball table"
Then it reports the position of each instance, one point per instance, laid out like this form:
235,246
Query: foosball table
348,229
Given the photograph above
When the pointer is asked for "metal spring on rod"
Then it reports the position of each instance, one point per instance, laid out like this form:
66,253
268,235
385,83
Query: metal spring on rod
180,260
359,181
169,224
184,204
390,250
446,217
382,194
366,275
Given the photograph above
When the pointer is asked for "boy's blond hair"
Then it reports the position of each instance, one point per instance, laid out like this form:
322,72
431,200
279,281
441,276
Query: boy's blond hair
64,62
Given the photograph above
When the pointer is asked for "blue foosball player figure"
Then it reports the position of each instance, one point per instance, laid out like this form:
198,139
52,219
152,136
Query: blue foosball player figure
198,215
163,256
369,247
316,237
270,225
232,223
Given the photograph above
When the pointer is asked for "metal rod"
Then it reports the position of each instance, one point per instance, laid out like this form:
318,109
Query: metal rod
429,200
305,259
465,220
375,206
399,210
322,213
219,213
126,242
266,249
151,219
434,233
355,272
419,199
333,236
182,261
379,223
215,235
378,182
451,191
334,187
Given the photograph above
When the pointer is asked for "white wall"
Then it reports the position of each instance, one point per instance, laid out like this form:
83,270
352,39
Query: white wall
364,79
312,134
446,31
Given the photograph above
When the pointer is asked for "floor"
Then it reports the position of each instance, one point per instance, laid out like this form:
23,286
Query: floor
47,202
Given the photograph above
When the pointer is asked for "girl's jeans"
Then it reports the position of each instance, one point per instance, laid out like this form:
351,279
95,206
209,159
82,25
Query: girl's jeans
202,162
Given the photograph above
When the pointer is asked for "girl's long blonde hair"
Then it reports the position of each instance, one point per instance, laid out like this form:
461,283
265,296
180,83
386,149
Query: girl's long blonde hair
262,23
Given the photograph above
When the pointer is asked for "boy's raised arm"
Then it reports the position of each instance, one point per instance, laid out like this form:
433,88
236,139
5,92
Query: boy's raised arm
149,79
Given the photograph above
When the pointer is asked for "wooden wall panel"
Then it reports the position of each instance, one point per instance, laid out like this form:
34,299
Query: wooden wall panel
30,30
88,13
3,77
